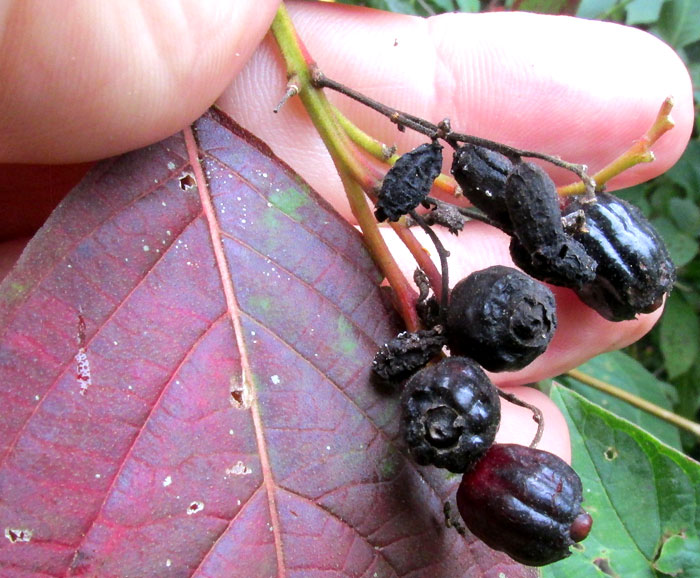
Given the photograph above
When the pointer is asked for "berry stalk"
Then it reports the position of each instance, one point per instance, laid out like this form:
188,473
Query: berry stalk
639,152
340,148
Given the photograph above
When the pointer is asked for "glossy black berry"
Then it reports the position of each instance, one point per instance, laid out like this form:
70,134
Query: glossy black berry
408,182
524,502
450,414
540,245
634,270
501,318
481,174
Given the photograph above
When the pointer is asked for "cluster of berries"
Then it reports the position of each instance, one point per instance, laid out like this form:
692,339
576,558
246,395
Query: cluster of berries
517,499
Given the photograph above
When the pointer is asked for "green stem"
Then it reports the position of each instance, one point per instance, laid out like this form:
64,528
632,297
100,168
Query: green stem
639,152
636,401
341,150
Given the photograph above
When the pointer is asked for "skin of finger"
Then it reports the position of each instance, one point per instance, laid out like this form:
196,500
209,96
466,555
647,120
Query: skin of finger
518,427
581,333
531,81
102,78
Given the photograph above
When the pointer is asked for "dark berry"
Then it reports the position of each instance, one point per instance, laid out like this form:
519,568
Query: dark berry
450,414
524,502
481,174
501,318
634,270
565,264
540,246
408,182
400,357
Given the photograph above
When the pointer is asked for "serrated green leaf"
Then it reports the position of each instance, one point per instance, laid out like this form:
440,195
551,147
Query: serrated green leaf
680,333
638,490
686,214
680,555
679,23
620,370
682,247
643,11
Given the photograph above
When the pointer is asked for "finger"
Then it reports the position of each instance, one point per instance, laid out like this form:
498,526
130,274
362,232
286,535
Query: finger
103,78
580,89
518,427
581,332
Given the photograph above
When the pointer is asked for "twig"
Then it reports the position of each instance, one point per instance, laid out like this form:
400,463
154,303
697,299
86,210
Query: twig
537,416
636,401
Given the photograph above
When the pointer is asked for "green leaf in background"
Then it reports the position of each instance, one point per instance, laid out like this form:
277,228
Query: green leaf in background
643,11
620,370
680,334
468,5
686,172
686,215
547,6
595,8
682,247
642,494
679,555
679,22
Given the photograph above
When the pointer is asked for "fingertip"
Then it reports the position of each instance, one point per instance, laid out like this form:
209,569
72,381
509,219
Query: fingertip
102,79
518,426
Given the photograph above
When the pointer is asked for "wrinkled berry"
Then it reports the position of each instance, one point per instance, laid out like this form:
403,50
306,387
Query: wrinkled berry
450,414
524,502
565,264
634,270
540,246
400,357
408,182
481,174
501,318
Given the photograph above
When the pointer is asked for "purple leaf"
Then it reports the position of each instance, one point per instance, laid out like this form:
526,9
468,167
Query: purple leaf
184,380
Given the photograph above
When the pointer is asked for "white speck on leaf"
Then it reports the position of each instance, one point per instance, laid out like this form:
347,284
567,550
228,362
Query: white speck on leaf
239,469
275,379
84,377
167,481
15,535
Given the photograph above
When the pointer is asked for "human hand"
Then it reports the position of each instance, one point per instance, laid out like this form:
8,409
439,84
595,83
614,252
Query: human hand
530,81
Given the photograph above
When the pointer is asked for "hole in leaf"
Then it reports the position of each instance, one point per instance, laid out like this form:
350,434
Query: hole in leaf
237,395
240,398
195,507
603,565
15,535
187,181
611,454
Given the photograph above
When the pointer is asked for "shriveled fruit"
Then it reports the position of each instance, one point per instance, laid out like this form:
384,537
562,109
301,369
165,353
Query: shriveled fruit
400,357
408,182
450,414
525,502
634,270
540,246
501,318
481,174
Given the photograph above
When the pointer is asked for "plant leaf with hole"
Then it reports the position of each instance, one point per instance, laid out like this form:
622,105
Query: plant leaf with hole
643,495
184,382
